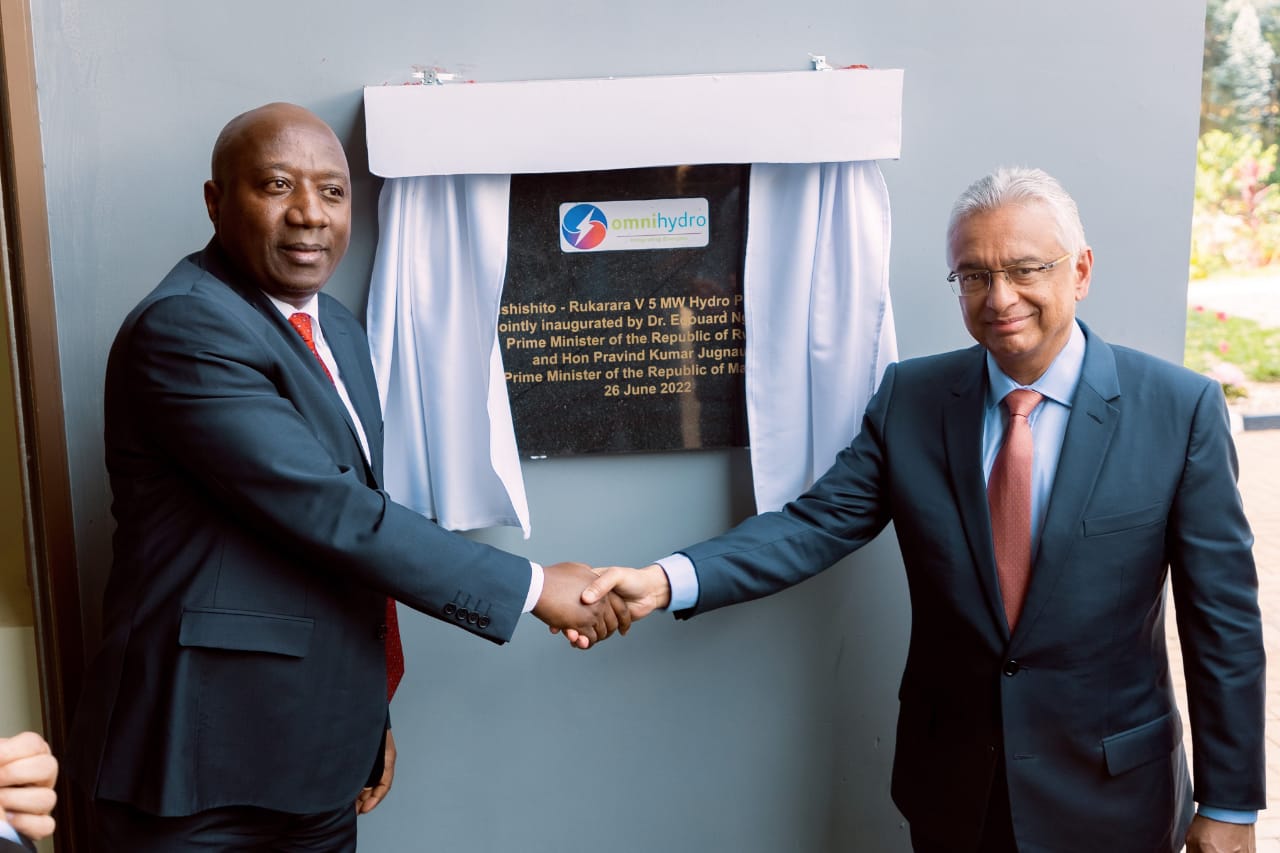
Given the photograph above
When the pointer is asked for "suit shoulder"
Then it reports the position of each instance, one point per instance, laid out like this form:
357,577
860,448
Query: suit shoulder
190,301
187,278
183,278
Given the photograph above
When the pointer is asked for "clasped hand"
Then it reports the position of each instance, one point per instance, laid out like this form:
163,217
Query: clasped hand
563,608
589,605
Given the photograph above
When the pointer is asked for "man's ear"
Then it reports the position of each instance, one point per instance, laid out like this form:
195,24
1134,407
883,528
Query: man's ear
1083,272
212,199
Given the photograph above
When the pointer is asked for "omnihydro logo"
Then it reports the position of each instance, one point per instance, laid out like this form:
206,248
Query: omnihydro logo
583,226
610,226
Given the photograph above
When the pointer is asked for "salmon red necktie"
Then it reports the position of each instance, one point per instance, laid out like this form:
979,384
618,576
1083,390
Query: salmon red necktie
301,322
1009,498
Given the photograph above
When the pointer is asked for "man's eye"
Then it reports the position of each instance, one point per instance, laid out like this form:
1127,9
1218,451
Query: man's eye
1025,272
335,192
277,184
971,277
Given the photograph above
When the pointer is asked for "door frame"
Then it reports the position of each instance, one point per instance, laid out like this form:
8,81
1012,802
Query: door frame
29,313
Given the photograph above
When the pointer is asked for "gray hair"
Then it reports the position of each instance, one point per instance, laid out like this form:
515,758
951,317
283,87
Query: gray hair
1019,185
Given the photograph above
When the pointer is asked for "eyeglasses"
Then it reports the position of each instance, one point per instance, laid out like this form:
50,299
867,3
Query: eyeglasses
1024,274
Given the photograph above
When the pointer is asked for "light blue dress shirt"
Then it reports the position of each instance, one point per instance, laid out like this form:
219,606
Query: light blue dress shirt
1048,428
1048,422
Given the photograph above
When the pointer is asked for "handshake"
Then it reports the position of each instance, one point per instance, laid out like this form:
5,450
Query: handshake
589,604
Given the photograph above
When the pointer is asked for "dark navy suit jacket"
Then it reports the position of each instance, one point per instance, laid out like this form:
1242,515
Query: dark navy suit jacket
242,657
1078,700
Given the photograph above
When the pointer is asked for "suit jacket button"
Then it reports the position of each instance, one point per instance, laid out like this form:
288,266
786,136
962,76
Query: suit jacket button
450,608
1011,667
473,618
462,614
483,623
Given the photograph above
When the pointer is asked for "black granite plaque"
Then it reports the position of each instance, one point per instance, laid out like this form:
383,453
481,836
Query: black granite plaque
627,345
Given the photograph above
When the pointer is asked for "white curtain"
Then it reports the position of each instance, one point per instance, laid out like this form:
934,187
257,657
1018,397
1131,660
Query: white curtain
433,331
818,322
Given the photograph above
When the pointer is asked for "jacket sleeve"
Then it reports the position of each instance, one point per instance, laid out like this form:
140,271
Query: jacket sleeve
841,512
224,401
1215,590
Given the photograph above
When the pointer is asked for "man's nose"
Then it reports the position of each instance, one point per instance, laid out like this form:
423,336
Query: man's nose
1000,293
307,209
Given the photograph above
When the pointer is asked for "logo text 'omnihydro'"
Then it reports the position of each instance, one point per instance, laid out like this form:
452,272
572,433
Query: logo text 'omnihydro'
660,223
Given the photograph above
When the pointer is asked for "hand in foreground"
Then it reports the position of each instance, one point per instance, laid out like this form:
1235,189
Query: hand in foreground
643,590
562,607
367,800
1214,836
27,773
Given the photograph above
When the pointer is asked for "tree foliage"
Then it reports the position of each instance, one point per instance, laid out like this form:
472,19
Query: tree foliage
1237,207
1239,93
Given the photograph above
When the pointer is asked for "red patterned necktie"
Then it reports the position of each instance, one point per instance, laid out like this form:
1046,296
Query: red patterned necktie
301,322
1009,498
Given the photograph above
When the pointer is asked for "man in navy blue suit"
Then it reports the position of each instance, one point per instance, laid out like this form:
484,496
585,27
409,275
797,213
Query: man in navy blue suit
239,700
28,772
1036,712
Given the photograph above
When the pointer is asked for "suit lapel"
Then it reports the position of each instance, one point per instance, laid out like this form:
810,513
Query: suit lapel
340,345
962,435
357,375
1090,427
306,357
360,387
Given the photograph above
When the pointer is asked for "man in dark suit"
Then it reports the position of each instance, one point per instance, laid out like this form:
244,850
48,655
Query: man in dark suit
1036,712
239,700
28,772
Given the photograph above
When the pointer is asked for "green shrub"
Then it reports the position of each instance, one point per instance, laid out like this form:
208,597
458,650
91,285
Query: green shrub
1215,338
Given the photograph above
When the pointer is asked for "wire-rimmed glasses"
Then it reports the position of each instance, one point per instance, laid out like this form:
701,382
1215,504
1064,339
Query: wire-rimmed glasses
1021,274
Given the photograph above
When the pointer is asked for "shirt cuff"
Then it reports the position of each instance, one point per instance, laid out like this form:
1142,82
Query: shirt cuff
7,831
683,580
1228,815
535,587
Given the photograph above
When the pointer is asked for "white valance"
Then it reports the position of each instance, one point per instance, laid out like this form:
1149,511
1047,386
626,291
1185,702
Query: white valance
629,122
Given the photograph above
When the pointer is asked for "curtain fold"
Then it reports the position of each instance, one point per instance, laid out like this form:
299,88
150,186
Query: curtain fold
432,323
819,322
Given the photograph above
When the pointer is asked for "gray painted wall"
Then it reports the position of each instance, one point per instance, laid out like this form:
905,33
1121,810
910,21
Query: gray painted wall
760,728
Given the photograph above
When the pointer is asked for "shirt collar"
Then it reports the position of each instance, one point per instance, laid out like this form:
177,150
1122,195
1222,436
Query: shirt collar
1058,382
311,307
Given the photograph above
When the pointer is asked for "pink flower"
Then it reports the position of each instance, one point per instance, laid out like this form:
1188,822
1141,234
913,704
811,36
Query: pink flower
1223,346
1222,315
1200,309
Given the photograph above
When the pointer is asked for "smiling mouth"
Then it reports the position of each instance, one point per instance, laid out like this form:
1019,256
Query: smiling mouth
304,252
